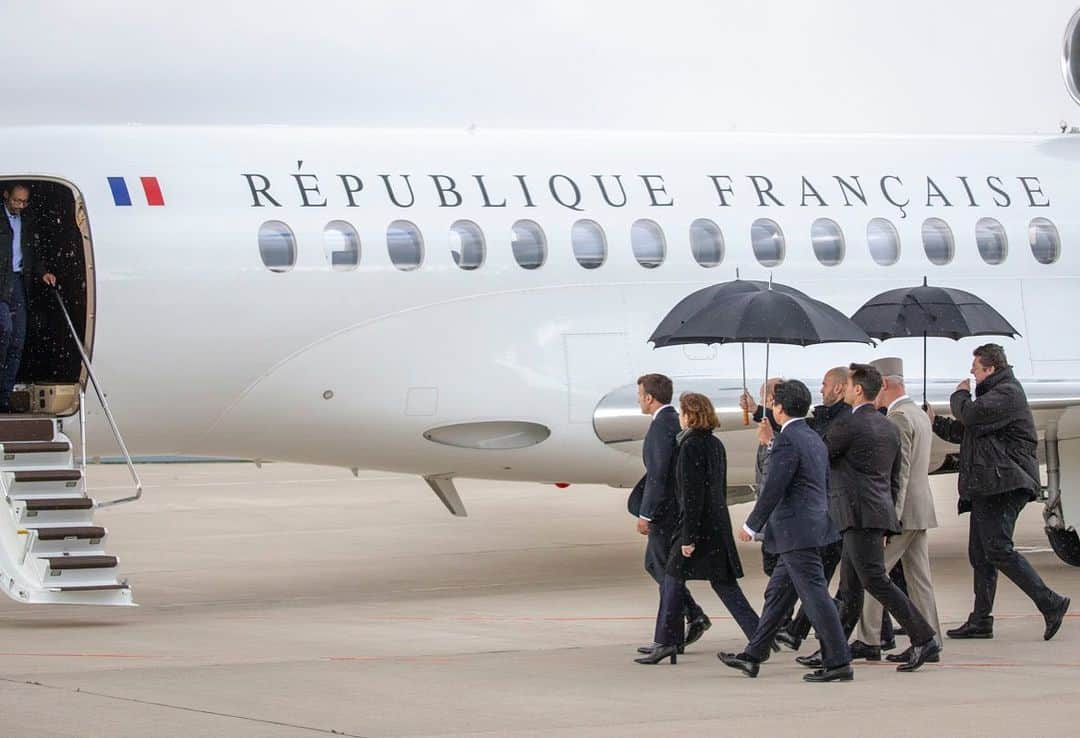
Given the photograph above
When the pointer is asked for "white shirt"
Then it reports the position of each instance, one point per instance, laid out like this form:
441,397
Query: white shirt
893,403
789,421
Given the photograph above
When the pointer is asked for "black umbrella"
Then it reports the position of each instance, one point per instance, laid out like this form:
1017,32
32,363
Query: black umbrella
750,311
939,312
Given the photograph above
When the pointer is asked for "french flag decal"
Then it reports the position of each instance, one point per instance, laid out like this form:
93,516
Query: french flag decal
122,196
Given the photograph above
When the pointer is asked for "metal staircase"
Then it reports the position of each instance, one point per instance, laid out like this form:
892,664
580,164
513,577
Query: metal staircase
50,550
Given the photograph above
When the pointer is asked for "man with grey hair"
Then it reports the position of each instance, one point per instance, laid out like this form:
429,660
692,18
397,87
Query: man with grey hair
914,507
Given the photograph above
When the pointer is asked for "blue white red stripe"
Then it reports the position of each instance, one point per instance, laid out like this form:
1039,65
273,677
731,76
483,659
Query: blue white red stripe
122,196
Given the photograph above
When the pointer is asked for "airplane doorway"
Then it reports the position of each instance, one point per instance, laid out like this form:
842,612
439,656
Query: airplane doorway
51,371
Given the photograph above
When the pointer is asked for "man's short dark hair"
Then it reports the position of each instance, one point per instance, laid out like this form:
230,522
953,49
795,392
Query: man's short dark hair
658,386
991,355
793,396
11,186
867,377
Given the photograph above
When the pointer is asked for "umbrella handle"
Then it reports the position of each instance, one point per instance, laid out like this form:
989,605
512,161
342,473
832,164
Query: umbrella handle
746,416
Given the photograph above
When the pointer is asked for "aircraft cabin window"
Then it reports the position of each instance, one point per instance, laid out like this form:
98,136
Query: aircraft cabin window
706,242
991,239
467,245
1045,241
405,245
590,246
342,246
828,241
883,242
529,245
277,246
768,242
937,239
647,243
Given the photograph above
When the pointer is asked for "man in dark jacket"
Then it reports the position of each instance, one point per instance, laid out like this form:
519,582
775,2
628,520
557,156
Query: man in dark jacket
999,474
864,482
19,263
658,512
792,509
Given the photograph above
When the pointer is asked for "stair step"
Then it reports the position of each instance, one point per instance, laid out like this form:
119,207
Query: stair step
26,429
63,563
87,532
59,503
93,588
47,475
36,447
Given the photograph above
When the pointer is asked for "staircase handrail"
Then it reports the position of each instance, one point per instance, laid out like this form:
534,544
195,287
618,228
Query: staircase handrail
108,412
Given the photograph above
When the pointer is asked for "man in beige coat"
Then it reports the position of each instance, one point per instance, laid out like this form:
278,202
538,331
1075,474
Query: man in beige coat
914,506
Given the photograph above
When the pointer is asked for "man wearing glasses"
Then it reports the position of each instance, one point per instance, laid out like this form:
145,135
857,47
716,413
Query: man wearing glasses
19,262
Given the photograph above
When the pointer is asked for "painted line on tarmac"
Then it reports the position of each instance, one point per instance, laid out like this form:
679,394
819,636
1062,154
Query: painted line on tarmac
182,708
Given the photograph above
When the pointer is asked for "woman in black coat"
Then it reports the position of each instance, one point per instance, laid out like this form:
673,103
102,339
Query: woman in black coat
705,546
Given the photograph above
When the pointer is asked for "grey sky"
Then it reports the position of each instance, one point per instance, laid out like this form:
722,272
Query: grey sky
956,66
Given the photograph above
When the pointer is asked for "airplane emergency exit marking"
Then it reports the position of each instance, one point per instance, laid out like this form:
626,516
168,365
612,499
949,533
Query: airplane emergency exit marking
122,197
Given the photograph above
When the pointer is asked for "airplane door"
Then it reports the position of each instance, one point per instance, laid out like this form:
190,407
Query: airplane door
595,364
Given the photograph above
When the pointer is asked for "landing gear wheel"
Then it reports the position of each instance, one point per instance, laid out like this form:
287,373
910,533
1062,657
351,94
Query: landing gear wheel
1066,544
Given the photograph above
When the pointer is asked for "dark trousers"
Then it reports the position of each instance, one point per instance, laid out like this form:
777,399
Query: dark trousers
862,567
12,339
799,575
990,550
799,627
657,550
670,617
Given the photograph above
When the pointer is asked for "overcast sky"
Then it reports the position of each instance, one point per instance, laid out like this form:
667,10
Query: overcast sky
921,66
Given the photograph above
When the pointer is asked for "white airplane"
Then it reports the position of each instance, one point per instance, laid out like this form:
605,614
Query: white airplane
477,305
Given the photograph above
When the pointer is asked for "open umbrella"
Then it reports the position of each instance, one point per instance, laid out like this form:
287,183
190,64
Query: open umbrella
939,312
751,311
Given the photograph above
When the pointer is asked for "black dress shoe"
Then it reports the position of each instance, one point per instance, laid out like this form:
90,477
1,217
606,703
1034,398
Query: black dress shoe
860,650
905,656
921,654
840,674
741,662
813,661
888,645
653,646
980,629
696,628
659,654
1054,618
786,639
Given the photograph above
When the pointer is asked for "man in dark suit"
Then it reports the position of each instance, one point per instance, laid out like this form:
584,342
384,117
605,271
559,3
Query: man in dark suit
659,512
792,508
864,484
19,263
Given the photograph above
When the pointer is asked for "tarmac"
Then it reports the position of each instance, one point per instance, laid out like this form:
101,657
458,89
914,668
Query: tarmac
300,601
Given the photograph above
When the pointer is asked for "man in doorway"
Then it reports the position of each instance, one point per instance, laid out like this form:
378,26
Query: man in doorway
20,264
999,475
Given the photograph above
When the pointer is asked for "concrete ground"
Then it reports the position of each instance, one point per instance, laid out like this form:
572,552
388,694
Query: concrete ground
294,601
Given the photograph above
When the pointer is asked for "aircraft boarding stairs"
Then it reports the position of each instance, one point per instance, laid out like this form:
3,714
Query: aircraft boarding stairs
50,550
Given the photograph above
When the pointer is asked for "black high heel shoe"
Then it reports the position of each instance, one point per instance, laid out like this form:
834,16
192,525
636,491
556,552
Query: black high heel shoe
659,654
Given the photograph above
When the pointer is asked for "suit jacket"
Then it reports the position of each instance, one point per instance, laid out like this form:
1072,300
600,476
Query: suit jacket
658,485
793,505
864,483
915,503
32,266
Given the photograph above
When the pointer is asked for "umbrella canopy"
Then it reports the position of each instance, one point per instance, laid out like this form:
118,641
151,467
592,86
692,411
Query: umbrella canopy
749,311
924,311
938,312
